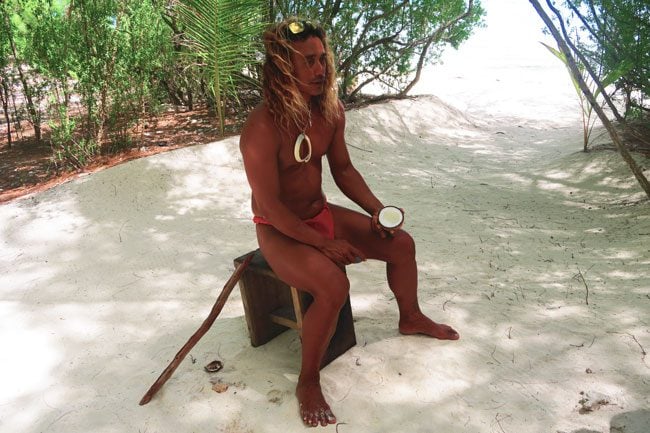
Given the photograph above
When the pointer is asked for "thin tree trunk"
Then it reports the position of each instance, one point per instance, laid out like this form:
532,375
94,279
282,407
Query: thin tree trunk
88,94
190,99
216,71
585,132
271,17
172,93
587,66
18,126
34,116
432,39
636,170
108,77
4,97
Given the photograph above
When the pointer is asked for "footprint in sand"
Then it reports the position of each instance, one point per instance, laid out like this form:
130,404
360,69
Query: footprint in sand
276,396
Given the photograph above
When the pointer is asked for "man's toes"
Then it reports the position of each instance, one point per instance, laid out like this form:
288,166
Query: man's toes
322,417
331,419
310,419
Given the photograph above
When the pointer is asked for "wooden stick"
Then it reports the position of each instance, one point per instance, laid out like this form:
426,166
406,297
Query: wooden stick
207,323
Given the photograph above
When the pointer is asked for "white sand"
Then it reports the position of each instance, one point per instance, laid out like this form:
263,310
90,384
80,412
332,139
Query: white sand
104,278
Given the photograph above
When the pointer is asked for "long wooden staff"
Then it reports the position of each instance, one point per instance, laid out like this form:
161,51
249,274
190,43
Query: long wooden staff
207,323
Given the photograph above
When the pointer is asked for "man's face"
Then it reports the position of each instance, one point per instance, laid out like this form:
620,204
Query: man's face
309,65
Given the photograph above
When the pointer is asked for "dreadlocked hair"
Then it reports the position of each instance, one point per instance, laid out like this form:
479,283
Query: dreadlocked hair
281,94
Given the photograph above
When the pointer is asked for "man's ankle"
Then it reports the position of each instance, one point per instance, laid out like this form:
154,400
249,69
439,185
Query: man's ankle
309,378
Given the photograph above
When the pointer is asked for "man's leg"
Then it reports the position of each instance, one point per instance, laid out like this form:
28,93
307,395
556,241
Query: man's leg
401,268
304,267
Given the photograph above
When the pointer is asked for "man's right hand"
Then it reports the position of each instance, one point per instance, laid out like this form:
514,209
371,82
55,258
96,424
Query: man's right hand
342,252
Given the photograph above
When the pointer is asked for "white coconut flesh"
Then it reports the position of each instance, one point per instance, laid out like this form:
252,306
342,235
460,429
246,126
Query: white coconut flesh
390,217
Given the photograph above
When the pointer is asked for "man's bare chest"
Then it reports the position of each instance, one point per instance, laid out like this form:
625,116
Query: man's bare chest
303,148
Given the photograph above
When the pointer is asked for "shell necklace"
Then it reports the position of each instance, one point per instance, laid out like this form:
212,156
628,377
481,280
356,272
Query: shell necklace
303,137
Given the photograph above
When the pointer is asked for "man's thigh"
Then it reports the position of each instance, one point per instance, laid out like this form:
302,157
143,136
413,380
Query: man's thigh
295,263
355,227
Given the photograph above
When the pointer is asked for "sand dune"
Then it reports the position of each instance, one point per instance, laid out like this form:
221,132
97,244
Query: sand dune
537,253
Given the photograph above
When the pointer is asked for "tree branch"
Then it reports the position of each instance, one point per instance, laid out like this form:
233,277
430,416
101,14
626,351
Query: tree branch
638,173
433,37
585,63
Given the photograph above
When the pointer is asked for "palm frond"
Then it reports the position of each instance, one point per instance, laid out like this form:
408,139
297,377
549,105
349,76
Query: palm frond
223,35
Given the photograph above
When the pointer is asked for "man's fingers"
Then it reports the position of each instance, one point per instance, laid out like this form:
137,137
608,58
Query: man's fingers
374,224
359,256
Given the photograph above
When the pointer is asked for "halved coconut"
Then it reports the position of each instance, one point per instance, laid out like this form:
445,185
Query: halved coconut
391,217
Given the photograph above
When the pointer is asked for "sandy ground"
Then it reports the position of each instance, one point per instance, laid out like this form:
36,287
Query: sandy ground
537,253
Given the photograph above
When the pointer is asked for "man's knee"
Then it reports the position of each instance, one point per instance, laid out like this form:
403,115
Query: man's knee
404,245
332,289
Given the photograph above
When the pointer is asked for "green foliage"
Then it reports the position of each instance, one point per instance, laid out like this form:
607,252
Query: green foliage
615,36
76,154
387,42
5,49
5,81
223,40
588,118
16,35
570,49
67,151
109,54
101,66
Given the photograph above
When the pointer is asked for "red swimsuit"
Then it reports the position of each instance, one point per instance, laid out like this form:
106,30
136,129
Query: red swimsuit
323,223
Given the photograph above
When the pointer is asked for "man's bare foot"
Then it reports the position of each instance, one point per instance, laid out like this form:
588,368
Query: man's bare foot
314,410
420,324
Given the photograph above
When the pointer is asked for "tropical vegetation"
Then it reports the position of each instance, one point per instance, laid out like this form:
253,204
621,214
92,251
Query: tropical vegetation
606,47
90,72
86,74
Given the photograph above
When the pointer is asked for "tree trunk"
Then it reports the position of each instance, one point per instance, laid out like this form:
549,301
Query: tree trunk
18,125
433,38
586,64
34,115
190,99
171,93
4,98
108,79
271,10
636,170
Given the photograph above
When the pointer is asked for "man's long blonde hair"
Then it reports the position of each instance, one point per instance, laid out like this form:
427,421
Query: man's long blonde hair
281,94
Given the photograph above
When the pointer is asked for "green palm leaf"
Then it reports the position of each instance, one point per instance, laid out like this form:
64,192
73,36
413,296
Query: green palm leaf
223,35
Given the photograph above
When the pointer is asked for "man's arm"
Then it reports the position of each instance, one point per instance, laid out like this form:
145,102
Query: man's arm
347,178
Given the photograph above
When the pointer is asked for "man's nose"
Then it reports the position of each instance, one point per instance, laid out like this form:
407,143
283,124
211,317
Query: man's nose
319,69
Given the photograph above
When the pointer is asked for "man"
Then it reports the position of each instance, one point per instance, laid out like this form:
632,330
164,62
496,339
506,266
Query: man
306,240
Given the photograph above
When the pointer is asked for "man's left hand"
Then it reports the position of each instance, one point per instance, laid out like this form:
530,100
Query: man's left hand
377,228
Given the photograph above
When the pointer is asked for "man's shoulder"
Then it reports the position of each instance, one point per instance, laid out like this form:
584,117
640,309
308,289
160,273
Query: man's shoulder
259,127
340,118
260,119
260,113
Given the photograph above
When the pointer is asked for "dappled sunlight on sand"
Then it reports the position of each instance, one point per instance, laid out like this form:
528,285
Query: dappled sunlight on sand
536,252
531,249
203,178
39,355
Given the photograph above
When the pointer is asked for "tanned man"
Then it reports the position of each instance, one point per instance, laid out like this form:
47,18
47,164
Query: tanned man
306,240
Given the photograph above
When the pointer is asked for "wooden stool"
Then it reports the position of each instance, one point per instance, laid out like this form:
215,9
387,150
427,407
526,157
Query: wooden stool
271,307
